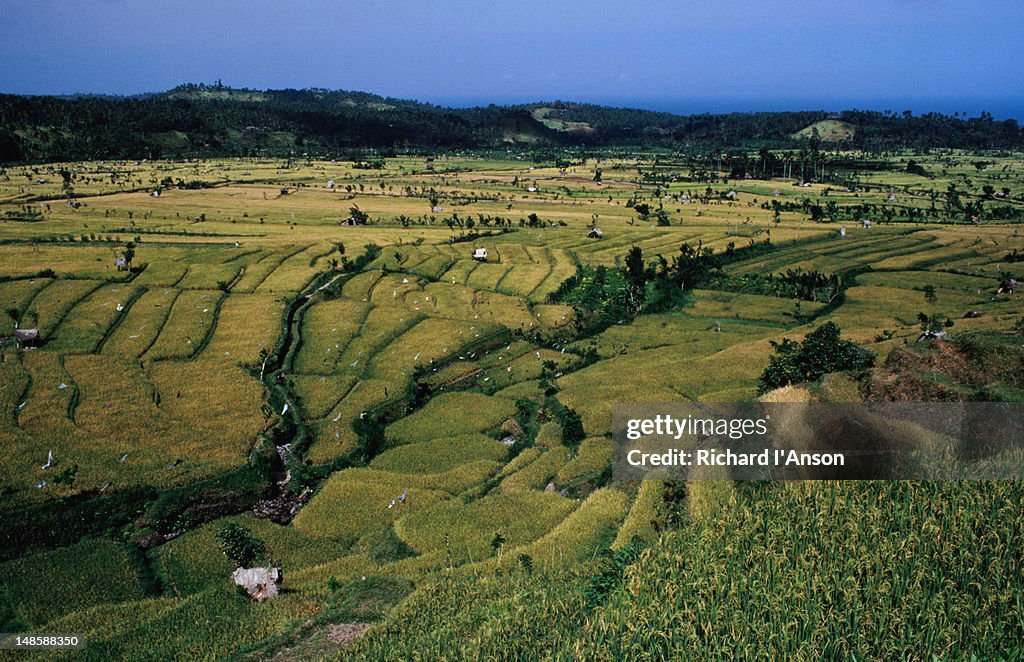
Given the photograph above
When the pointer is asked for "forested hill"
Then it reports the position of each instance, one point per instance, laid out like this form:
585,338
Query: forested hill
213,120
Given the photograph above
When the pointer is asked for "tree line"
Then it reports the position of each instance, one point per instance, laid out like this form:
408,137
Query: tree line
199,120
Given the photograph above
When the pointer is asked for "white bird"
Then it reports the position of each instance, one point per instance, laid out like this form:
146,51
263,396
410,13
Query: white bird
49,460
123,458
285,410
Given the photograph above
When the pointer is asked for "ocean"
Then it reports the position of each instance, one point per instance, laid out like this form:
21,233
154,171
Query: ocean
999,108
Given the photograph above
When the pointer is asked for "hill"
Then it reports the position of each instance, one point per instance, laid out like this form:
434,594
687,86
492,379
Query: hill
215,120
829,131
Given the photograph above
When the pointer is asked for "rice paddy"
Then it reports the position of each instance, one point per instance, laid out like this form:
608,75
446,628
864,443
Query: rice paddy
424,391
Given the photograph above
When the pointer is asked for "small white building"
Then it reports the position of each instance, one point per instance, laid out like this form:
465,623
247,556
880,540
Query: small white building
260,583
595,233
480,254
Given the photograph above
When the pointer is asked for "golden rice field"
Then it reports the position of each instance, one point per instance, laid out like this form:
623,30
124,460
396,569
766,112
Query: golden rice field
149,378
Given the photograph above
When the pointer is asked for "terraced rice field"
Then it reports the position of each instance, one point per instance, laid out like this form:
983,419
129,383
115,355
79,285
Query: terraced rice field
420,372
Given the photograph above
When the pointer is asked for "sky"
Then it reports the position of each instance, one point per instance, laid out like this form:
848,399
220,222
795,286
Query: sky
684,56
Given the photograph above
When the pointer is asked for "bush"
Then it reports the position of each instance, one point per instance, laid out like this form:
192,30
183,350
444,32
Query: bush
821,352
240,545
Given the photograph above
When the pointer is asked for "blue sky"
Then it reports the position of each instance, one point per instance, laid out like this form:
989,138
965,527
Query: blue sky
727,53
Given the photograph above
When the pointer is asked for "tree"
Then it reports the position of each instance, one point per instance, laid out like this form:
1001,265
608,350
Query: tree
129,254
636,272
240,545
930,323
821,352
497,542
67,188
357,216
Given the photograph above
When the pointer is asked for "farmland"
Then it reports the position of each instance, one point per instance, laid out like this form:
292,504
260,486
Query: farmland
441,423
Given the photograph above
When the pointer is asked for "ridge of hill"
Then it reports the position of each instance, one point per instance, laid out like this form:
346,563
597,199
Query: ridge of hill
214,120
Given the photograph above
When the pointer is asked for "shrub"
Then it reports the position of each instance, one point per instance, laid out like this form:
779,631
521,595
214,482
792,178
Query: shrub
240,545
821,352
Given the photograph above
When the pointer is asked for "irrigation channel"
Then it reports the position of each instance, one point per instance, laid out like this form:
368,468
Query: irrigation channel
288,434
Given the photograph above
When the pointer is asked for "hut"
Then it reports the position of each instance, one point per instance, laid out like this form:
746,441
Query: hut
355,219
595,233
260,583
480,254
932,335
26,338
